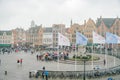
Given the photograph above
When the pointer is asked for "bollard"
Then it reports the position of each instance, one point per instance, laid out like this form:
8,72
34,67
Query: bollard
30,75
5,72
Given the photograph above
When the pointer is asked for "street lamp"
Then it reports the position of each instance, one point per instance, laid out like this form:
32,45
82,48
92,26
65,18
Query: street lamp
85,58
84,70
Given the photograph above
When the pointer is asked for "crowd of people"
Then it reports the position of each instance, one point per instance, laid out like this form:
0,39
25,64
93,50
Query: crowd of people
11,50
41,55
53,56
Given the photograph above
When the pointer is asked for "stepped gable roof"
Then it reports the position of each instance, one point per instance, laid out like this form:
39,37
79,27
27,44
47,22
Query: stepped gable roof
107,21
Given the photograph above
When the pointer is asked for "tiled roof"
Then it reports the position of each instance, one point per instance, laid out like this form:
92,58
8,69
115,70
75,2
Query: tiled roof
48,29
107,21
35,29
7,32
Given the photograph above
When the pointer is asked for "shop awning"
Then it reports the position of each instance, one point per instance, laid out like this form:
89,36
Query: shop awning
5,45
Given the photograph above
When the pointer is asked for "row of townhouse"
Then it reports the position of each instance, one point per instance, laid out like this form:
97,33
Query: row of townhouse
6,38
35,36
101,26
48,36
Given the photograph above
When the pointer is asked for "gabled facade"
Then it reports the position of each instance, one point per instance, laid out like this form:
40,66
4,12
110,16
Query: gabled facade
74,28
103,25
89,27
68,34
35,35
19,36
115,28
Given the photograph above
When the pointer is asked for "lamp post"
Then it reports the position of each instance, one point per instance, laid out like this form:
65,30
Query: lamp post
85,58
84,70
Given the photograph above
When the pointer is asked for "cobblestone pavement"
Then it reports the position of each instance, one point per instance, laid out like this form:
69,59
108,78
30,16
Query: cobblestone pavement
17,71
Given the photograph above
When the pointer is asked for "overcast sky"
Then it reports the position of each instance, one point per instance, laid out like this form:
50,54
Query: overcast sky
20,13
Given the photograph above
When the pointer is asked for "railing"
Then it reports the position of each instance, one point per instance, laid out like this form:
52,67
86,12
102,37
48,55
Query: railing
79,74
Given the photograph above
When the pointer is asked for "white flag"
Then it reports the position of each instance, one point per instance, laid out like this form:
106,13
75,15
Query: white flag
62,40
118,38
98,38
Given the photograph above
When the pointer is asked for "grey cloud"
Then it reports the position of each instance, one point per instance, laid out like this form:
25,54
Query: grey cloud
16,13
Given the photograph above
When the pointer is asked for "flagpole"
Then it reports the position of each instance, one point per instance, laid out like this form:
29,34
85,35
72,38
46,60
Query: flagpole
75,58
116,49
92,56
81,40
107,44
75,55
116,52
58,55
92,52
113,54
112,50
58,59
105,55
111,38
106,51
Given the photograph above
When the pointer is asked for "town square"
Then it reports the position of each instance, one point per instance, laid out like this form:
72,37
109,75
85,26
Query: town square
30,63
59,40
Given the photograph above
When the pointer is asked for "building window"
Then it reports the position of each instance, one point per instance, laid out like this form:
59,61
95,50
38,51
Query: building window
56,39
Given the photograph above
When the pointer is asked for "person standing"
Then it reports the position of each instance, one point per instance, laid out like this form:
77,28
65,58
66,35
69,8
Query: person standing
37,57
43,73
21,60
18,61
0,61
104,62
5,72
46,75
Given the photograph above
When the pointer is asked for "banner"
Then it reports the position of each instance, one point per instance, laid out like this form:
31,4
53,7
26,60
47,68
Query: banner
62,40
98,38
111,38
118,38
81,39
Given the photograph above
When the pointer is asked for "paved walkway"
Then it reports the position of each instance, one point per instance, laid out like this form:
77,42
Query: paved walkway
16,71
